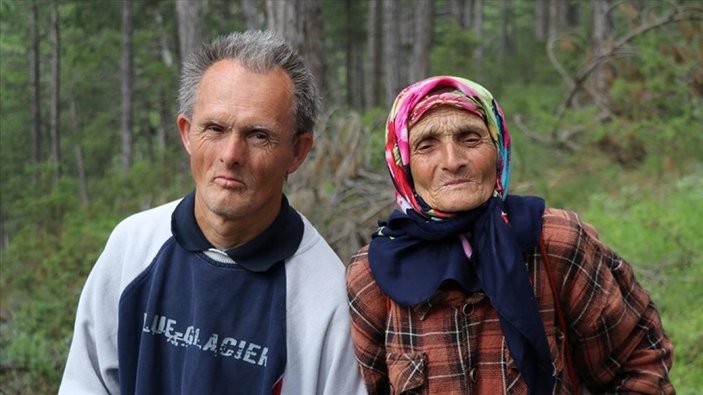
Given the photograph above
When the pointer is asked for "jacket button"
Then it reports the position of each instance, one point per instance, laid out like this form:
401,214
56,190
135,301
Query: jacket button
472,375
467,309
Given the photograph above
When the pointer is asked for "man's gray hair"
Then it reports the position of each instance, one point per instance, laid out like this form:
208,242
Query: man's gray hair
258,52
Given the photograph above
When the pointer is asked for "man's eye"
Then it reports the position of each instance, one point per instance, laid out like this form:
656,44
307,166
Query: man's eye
214,128
259,135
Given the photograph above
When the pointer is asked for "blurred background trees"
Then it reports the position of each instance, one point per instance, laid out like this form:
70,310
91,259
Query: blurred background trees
603,100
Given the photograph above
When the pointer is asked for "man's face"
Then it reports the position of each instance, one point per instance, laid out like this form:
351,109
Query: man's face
452,160
242,143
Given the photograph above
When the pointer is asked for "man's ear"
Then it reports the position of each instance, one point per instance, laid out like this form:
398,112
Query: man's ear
301,147
183,128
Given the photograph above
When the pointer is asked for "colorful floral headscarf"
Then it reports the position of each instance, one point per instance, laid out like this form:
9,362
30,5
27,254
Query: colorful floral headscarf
409,107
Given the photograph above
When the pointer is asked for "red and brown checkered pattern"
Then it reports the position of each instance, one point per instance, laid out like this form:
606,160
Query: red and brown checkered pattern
453,344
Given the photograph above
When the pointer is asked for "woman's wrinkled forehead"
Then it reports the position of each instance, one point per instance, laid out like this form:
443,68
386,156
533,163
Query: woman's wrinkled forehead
444,97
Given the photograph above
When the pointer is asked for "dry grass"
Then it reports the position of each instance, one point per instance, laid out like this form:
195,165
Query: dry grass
338,190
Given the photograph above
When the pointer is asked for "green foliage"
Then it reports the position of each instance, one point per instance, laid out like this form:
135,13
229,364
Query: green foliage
375,120
452,53
637,177
652,226
50,255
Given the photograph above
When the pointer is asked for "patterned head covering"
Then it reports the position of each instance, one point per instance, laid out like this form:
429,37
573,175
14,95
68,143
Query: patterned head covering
409,107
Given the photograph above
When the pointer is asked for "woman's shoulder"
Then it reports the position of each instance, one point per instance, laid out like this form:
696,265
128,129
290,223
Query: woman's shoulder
564,228
561,220
358,269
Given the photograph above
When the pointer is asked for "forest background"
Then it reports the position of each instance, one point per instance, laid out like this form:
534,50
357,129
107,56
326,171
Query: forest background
603,99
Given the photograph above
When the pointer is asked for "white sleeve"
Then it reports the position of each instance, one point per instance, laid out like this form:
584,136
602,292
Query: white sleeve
339,371
92,365
320,351
319,347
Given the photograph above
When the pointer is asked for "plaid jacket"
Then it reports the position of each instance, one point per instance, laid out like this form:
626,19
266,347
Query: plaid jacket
453,344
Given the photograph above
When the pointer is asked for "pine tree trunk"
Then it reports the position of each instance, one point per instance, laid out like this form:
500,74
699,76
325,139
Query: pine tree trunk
252,16
309,33
283,20
600,35
506,46
541,19
553,26
162,135
126,85
478,31
81,175
189,29
461,11
54,121
34,80
420,61
391,51
354,67
373,47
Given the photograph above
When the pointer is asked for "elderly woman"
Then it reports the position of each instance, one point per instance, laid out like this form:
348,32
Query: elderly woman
468,290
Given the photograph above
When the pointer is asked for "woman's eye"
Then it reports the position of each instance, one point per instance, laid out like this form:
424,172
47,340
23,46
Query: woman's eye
471,138
423,146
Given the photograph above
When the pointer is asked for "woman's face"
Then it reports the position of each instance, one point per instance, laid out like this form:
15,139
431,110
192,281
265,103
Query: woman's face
452,159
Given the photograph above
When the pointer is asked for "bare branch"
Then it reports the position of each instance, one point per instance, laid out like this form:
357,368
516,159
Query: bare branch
678,14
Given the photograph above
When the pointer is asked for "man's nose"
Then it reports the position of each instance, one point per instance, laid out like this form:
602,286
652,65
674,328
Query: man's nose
233,150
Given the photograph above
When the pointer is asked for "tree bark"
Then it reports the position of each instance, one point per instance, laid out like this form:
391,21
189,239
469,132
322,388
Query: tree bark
81,175
461,11
354,66
573,13
252,16
374,47
420,61
299,22
310,33
553,26
478,32
54,121
541,19
162,135
189,26
34,80
283,20
600,42
506,30
127,73
391,51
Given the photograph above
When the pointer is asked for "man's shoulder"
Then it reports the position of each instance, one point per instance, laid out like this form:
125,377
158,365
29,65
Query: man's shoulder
314,248
315,269
146,228
149,217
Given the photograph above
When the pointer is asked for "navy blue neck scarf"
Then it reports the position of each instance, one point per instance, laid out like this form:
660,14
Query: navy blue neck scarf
411,256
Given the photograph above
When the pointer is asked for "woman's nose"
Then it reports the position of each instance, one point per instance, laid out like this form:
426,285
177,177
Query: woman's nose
453,158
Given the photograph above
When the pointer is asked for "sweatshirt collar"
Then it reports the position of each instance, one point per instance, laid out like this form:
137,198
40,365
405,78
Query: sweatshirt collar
274,245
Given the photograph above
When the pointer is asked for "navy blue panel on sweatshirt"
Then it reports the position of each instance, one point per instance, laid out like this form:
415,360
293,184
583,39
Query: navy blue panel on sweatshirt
191,325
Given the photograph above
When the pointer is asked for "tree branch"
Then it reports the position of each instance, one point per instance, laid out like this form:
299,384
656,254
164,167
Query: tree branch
678,14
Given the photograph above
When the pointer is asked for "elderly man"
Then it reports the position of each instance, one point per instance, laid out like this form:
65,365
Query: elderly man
228,290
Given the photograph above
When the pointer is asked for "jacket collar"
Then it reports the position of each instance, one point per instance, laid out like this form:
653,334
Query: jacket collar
274,245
